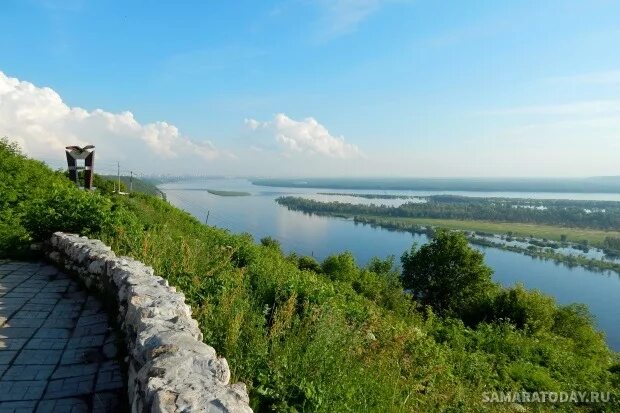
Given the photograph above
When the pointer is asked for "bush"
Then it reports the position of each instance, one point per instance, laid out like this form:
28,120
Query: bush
447,274
271,242
67,209
309,264
341,267
575,322
528,310
34,202
302,342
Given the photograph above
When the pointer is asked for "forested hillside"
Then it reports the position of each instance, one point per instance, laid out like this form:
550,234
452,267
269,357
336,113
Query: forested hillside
332,336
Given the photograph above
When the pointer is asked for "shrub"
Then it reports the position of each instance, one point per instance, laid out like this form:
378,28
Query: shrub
308,263
575,322
64,208
302,342
528,310
341,267
271,242
446,274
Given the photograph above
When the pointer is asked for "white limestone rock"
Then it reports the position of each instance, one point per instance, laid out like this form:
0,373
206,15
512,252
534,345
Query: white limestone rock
170,369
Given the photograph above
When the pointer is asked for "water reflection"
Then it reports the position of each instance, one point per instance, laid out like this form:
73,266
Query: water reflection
305,234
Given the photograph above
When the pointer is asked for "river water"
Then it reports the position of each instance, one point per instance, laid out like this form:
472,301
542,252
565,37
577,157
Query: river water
259,215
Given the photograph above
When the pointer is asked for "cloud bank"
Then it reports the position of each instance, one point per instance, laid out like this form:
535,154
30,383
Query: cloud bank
39,120
307,136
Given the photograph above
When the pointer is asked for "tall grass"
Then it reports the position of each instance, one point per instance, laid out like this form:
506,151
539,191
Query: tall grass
304,342
312,338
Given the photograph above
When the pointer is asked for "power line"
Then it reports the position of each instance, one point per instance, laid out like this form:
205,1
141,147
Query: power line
114,168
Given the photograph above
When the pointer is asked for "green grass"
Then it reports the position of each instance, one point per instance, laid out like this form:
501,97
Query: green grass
137,185
301,341
310,340
594,237
227,193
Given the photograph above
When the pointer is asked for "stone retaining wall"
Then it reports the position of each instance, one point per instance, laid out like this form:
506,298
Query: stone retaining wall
170,368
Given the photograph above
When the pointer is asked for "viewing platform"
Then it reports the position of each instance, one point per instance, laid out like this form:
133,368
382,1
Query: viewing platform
58,352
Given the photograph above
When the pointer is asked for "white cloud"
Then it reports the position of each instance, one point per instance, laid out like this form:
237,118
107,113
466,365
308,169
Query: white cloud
39,120
305,136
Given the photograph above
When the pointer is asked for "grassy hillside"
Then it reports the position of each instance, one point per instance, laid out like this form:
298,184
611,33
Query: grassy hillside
137,185
323,337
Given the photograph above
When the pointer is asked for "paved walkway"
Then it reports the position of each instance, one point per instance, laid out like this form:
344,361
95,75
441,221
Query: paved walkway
57,351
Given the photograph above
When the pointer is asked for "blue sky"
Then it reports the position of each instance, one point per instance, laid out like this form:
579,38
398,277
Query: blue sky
392,87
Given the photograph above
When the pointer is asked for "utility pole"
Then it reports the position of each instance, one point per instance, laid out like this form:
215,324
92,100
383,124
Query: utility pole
207,220
118,166
130,181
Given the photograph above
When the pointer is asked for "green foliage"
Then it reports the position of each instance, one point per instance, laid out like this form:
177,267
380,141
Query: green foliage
613,243
271,242
341,267
334,337
603,215
107,185
65,208
575,322
309,264
138,185
35,202
528,310
446,274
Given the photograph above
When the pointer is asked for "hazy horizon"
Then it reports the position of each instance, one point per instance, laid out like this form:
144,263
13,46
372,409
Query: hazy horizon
347,88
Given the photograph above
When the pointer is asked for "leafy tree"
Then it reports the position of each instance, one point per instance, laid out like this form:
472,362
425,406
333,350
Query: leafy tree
341,267
575,321
385,267
531,310
270,242
446,274
302,342
308,263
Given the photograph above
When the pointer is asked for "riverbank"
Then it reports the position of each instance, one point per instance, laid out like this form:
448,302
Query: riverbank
593,237
426,226
278,317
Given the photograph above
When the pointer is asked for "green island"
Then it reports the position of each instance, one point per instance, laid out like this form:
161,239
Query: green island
536,222
431,334
219,192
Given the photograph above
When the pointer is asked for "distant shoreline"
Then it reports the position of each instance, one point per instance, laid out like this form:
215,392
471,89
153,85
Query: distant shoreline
559,185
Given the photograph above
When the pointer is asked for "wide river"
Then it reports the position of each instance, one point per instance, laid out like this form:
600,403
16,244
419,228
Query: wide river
259,215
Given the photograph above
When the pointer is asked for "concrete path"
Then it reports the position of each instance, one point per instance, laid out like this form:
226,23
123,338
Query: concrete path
57,351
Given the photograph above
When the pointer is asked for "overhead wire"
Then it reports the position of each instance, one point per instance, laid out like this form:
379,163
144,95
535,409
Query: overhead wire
111,168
